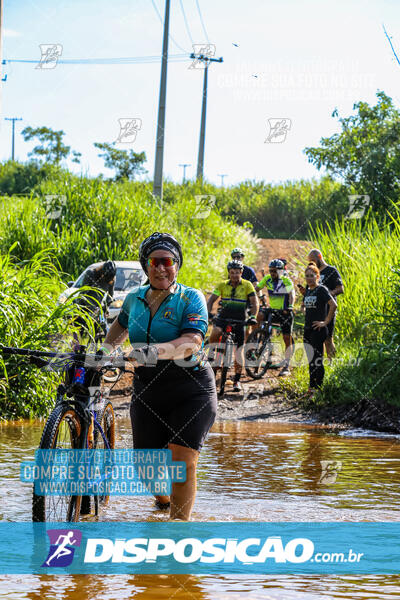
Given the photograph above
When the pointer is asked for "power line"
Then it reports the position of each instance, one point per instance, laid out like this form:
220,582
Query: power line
202,22
128,60
186,22
391,45
162,21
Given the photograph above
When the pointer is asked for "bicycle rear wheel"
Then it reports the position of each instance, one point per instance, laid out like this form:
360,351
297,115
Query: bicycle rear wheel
62,430
258,358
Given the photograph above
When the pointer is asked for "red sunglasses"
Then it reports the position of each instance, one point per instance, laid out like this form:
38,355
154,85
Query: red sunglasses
166,261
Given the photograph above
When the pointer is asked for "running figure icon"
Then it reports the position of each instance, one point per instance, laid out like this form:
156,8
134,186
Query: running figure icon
61,553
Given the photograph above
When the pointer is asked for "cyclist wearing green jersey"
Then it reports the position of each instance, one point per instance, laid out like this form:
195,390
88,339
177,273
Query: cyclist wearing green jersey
234,293
281,297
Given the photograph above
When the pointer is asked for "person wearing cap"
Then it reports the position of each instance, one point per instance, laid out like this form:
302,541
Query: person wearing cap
281,296
249,273
174,400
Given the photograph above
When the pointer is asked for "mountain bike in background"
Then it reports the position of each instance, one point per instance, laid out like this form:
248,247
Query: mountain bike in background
258,356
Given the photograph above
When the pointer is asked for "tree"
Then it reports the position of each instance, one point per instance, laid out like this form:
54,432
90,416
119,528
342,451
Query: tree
51,148
126,164
366,154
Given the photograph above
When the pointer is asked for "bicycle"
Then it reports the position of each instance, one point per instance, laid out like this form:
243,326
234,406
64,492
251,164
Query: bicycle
223,354
77,421
258,357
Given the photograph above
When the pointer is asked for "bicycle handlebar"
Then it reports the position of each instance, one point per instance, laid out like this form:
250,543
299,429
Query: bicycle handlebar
73,356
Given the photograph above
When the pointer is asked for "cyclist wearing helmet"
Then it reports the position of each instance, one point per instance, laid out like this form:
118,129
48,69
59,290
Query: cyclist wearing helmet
174,400
281,297
248,272
103,279
234,293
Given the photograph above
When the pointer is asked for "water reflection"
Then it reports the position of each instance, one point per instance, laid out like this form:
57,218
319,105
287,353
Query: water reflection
248,471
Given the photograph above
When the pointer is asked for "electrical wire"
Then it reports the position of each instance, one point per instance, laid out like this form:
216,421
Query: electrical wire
128,60
186,22
202,22
162,22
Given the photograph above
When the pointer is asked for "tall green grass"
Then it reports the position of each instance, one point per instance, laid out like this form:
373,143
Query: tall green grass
364,253
285,210
366,371
30,318
103,220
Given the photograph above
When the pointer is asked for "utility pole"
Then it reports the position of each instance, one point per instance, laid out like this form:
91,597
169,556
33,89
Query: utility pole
200,160
184,171
158,165
222,175
13,119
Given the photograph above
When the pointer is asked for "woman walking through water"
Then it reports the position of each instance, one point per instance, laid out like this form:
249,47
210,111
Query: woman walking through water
320,308
174,401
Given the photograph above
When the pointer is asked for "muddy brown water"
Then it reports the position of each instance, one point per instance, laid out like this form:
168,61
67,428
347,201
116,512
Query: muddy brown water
249,471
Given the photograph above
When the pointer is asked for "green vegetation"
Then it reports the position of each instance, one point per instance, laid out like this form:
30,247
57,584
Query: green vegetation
285,210
29,318
99,219
368,325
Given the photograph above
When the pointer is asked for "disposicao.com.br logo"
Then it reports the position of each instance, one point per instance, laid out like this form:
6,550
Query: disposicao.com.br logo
200,547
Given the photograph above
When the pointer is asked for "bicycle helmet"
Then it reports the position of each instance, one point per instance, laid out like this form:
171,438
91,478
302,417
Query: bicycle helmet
109,269
159,241
284,263
235,264
237,251
276,263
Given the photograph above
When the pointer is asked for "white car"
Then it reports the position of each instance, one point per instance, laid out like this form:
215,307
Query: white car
129,275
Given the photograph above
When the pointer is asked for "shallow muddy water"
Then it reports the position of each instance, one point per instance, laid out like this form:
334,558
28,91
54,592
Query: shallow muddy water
248,471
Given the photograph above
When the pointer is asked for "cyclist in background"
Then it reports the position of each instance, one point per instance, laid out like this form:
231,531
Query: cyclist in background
248,272
331,279
281,297
103,279
234,293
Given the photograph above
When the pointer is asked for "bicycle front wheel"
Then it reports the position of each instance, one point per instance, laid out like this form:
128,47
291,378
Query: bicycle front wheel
226,364
104,439
62,431
258,356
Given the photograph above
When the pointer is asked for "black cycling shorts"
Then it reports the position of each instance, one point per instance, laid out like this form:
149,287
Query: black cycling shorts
236,328
178,406
331,326
284,321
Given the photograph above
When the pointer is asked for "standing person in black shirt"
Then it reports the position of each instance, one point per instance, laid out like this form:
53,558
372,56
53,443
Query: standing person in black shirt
331,279
320,308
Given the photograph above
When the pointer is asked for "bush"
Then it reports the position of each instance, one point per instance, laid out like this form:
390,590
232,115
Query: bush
30,318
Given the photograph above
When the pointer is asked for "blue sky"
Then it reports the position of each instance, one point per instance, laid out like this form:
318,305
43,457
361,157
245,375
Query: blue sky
309,56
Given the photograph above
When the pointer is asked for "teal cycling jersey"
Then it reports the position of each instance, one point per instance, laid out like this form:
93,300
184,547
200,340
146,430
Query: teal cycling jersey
183,310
